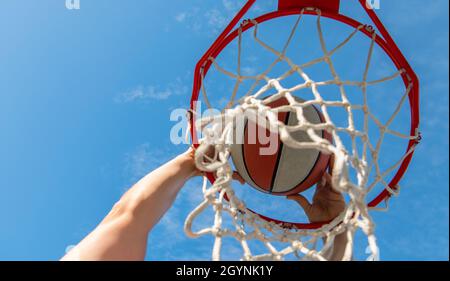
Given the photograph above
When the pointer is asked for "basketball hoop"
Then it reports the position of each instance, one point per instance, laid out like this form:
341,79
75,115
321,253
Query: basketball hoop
302,238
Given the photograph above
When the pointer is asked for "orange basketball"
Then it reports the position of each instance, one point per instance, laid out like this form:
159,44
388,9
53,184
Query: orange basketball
288,170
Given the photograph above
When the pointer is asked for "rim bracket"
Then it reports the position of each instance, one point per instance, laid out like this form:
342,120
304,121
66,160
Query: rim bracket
331,6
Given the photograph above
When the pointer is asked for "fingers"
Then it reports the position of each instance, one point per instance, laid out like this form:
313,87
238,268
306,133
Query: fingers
325,181
238,177
325,189
302,201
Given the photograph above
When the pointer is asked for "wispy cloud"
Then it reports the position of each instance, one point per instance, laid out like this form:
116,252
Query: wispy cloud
151,92
190,19
181,17
231,5
215,18
143,159
248,70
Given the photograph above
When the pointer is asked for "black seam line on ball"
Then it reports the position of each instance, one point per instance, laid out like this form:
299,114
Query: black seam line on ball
315,162
279,153
243,158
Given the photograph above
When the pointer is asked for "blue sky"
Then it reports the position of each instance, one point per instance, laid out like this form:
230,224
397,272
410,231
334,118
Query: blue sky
85,100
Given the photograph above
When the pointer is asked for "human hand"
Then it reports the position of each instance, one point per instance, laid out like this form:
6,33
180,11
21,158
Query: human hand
191,154
327,203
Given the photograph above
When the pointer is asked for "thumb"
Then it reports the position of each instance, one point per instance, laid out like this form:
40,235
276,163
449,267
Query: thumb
301,200
238,177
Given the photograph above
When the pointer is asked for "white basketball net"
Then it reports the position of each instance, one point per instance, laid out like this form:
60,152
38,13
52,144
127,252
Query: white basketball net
304,244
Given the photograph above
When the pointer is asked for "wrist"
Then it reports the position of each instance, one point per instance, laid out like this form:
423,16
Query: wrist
187,163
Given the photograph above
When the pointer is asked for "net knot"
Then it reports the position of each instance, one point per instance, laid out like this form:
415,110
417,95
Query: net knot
369,28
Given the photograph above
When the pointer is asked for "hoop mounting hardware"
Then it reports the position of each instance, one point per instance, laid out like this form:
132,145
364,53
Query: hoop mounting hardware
330,6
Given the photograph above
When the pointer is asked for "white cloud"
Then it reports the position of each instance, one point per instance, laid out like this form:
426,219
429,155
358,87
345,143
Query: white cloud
141,93
143,159
248,70
181,17
215,19
232,5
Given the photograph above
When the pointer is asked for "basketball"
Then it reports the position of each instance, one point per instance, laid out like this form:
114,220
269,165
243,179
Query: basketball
288,170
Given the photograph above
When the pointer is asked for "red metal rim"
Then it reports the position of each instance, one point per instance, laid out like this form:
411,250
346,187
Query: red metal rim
385,42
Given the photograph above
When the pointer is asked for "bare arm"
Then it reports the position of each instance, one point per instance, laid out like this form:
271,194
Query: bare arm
122,235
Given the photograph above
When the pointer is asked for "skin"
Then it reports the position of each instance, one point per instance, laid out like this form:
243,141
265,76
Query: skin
123,233
326,205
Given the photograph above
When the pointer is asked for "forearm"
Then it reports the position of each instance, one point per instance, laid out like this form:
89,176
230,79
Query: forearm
339,247
150,198
122,235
